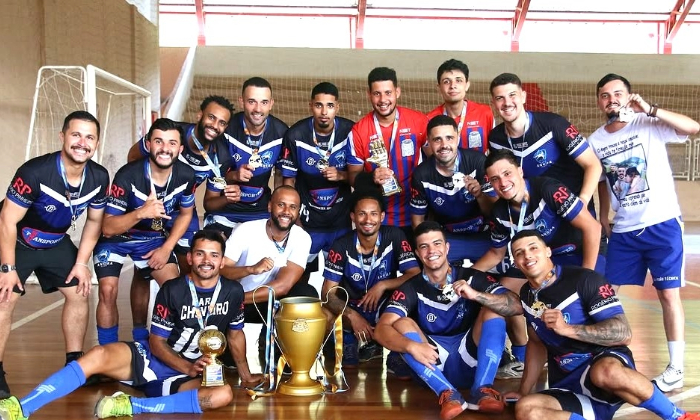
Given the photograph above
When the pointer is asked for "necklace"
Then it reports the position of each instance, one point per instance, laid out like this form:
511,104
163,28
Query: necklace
280,248
538,307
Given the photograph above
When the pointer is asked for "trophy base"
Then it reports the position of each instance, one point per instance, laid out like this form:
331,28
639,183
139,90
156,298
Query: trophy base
391,187
213,375
300,385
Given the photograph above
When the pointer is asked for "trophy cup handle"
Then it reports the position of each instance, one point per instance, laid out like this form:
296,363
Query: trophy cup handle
347,297
335,381
271,304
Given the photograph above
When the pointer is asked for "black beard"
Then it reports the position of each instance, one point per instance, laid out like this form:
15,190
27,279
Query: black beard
154,160
613,114
276,221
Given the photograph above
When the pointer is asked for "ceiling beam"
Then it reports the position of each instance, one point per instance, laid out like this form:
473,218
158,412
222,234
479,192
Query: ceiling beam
675,20
360,25
199,10
517,24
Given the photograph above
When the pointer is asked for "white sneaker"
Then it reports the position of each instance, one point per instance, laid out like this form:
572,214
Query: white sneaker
512,370
669,379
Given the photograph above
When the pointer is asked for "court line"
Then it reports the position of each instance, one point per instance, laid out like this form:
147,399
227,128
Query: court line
693,392
692,283
37,314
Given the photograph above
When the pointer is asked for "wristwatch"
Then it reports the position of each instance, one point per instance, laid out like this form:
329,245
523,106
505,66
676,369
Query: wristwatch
6,268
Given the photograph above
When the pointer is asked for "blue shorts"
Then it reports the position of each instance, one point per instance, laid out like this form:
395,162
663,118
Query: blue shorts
581,396
471,246
151,376
456,358
321,241
109,257
183,244
657,248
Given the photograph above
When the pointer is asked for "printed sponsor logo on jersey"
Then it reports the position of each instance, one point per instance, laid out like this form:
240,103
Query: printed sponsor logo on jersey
162,311
414,192
405,246
357,277
237,157
406,130
310,161
439,201
250,194
116,191
334,257
102,258
398,295
540,157
571,132
341,158
604,302
431,317
605,291
21,187
561,195
324,197
266,158
39,239
50,208
190,312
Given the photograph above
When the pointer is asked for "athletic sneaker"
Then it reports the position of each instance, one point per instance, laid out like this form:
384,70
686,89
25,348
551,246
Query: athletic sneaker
486,400
370,351
669,379
117,405
689,416
4,387
11,409
350,351
452,404
398,367
511,370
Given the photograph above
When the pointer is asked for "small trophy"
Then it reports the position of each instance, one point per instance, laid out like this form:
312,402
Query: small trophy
380,157
212,343
157,224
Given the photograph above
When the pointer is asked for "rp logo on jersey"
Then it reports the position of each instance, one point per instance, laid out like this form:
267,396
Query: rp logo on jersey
21,187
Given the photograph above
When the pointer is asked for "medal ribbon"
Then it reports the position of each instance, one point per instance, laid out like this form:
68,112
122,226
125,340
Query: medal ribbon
462,118
153,186
367,277
394,129
330,142
213,165
202,318
62,171
510,141
249,141
448,279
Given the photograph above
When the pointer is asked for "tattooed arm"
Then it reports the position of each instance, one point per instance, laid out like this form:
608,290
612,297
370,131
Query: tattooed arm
614,331
505,304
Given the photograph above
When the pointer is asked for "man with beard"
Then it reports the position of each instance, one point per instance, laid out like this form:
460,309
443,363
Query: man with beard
401,133
144,195
270,252
447,185
46,197
168,367
207,152
366,263
647,234
255,143
475,121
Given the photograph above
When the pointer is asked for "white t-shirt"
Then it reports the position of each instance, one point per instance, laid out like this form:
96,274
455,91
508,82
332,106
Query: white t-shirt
638,150
249,244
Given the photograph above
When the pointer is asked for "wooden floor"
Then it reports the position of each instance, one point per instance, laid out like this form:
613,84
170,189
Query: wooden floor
36,350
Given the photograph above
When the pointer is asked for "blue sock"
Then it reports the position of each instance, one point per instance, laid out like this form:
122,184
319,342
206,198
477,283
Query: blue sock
575,416
489,351
107,335
181,402
140,333
433,378
518,352
660,405
58,385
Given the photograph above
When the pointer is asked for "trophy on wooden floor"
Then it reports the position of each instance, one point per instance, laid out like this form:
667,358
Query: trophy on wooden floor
212,343
380,157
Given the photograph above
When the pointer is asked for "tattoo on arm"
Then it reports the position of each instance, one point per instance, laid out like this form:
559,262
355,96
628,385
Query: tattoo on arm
335,304
506,304
611,332
205,403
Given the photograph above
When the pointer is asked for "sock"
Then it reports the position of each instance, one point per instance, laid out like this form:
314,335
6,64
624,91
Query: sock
575,416
2,370
58,385
518,352
660,405
107,335
181,402
676,349
489,351
433,378
140,333
73,355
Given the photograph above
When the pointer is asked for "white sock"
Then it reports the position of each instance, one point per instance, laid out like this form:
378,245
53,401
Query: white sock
676,350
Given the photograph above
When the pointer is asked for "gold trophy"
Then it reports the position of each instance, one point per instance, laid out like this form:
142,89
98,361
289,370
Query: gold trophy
301,329
212,343
380,157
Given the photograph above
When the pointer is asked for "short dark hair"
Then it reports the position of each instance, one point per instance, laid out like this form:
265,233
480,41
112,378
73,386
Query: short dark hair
209,235
83,116
500,154
440,120
327,88
611,77
505,79
284,188
527,233
428,226
366,189
256,82
219,100
381,74
632,171
452,65
164,124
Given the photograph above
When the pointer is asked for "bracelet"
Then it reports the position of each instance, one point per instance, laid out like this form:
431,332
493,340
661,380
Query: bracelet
83,264
652,110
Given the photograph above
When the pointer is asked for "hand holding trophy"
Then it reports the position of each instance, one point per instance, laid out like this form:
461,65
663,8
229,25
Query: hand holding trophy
380,157
212,343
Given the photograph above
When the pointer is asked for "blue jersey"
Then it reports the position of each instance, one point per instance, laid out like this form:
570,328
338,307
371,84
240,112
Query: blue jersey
457,210
131,188
434,312
325,203
38,186
549,147
550,209
584,298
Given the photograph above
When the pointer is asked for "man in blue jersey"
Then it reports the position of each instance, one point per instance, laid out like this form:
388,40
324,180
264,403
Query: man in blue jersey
44,200
577,326
168,367
448,324
255,142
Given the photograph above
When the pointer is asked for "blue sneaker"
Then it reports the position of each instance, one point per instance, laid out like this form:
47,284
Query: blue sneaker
370,351
398,367
350,351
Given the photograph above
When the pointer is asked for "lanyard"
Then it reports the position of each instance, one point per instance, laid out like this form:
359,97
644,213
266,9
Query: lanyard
448,279
254,144
213,165
521,218
462,118
280,248
545,283
330,142
368,276
510,141
150,179
62,170
202,318
394,129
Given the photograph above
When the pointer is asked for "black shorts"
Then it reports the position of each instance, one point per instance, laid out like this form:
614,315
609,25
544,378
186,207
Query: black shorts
51,266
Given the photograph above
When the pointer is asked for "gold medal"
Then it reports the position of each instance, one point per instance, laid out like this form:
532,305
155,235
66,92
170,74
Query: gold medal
219,182
255,161
157,224
322,164
538,308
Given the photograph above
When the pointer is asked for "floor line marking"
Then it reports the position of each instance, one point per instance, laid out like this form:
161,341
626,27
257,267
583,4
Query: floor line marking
37,314
693,392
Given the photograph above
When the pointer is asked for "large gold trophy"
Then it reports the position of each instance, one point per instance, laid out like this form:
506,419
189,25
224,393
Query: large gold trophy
380,157
212,343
